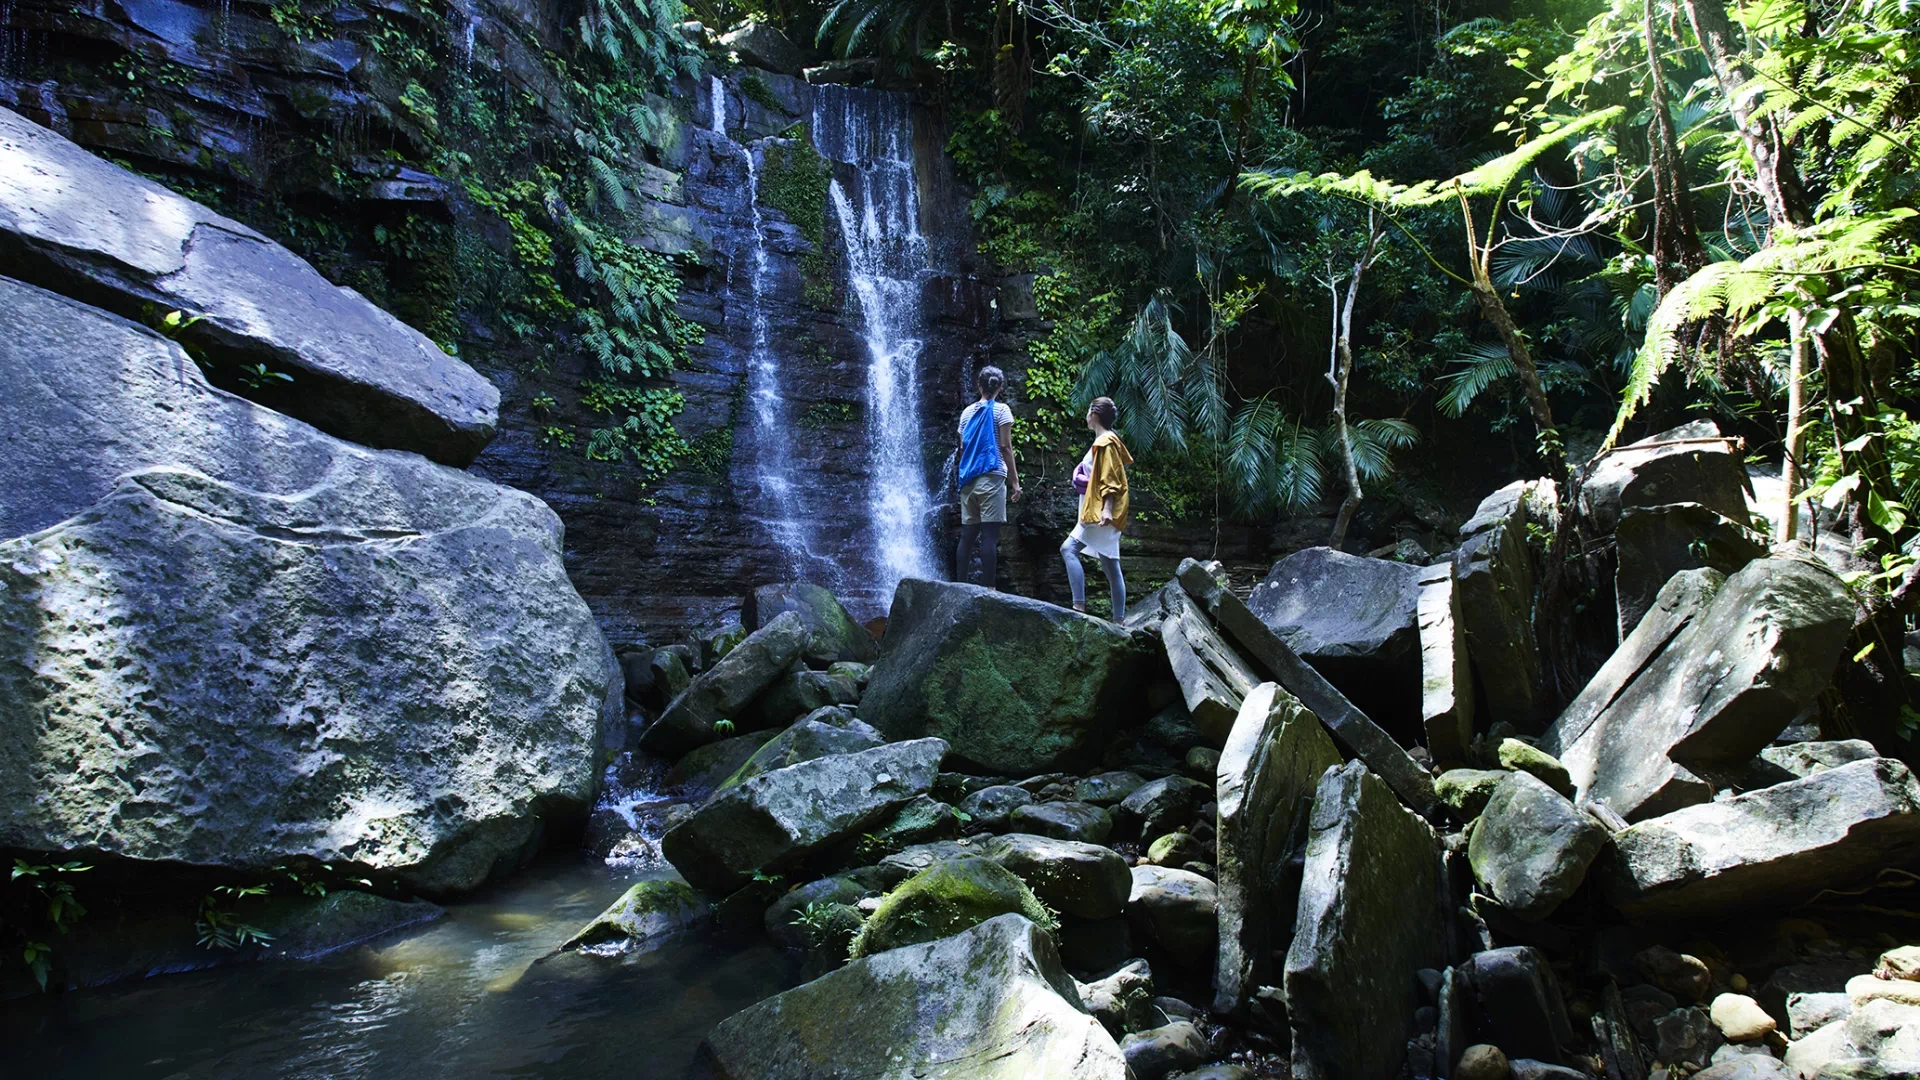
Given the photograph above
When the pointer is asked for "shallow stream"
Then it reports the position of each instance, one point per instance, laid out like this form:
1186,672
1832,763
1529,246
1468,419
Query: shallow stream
463,996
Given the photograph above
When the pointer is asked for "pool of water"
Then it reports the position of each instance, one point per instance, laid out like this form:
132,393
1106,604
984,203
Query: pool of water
467,996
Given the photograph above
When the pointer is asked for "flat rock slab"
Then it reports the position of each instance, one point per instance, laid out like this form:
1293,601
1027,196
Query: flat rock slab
1351,729
1268,773
1494,577
1657,542
993,1003
1761,651
228,639
1769,848
1213,678
1692,463
1446,675
1531,848
1354,619
1019,687
78,224
778,818
1369,919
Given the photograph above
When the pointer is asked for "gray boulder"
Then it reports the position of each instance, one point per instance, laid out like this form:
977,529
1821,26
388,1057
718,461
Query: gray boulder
78,224
1520,1004
1016,685
1769,848
1351,729
1121,999
778,818
643,918
1085,881
1368,921
993,807
1064,821
1691,463
1108,788
993,1001
1531,848
705,768
1178,909
798,692
820,734
1155,1053
1657,542
762,45
832,635
946,898
723,691
229,640
1161,806
1465,791
1213,678
1354,619
1268,773
1494,577
1446,675
1721,689
1803,759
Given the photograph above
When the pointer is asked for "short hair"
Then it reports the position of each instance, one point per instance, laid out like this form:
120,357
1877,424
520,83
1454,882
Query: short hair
990,380
1106,410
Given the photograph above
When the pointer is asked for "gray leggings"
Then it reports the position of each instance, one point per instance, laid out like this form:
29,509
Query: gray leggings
1076,577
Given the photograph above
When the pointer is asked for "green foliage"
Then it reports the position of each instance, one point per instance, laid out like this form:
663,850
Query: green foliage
756,90
220,927
794,179
825,414
42,900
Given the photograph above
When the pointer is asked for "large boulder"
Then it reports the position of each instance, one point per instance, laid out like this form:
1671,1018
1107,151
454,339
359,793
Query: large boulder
1085,881
1354,619
993,1003
1761,651
832,635
778,818
945,899
1268,773
1493,573
1531,848
78,224
762,45
1178,909
1692,463
1446,674
1019,687
723,691
1351,729
1657,542
1770,848
1368,920
1520,1005
819,734
227,639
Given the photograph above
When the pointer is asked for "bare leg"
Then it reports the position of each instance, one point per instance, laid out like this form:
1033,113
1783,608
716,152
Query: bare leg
1076,575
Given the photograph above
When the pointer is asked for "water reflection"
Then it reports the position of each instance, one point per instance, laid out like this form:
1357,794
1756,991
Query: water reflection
469,996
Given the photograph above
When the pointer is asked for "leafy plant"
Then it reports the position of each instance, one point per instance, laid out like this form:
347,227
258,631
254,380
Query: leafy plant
220,928
59,908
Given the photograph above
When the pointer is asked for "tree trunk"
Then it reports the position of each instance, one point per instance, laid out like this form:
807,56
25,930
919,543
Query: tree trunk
1796,409
1341,371
1677,251
1546,435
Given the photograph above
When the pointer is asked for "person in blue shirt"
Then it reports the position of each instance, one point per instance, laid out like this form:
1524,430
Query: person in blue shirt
988,477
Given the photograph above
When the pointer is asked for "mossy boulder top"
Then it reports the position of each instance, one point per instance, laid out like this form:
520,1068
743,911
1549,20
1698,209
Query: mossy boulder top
1017,686
945,899
832,635
643,916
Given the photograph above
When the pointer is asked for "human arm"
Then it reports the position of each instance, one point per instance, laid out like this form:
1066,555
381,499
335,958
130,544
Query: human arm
1004,432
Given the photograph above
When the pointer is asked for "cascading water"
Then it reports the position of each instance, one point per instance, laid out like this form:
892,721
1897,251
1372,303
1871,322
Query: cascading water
888,261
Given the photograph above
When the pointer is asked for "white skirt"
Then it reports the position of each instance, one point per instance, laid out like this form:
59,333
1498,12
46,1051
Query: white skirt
1100,540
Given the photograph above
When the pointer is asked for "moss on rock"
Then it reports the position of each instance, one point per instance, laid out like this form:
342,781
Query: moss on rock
947,899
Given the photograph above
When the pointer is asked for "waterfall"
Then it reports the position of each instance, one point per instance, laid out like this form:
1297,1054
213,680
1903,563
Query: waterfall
887,262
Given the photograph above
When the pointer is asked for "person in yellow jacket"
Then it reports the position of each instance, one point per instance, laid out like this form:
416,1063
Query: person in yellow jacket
1102,480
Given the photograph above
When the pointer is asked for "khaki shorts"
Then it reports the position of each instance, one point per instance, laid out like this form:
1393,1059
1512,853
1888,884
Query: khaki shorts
983,500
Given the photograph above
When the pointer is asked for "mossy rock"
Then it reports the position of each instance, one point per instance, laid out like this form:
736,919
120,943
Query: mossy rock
947,899
820,733
649,911
1465,791
832,635
921,821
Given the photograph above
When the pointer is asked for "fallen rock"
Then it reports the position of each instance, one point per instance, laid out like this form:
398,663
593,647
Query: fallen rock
1153,1054
1809,1011
1864,988
1213,678
1899,963
762,45
1271,766
1122,999
778,818
227,639
1740,1018
1446,674
1018,686
1521,1005
77,224
1482,1062
1521,757
921,820
643,917
1886,1029
1692,463
723,691
705,768
1810,1056
1685,1036
1466,791
1202,764
824,915
945,899
1803,759
1772,847
1351,729
1683,977
1163,805
1108,788
1176,908
995,994
1531,848
1354,619
821,733
993,807
1368,921
832,635
796,693
1719,692
1494,577
1064,821
1657,542
1085,881
1747,1067
1177,849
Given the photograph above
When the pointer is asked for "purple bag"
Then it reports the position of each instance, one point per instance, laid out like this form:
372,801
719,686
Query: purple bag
1082,475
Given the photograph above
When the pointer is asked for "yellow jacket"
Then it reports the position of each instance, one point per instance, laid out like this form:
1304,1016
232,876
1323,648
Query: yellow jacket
1110,461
